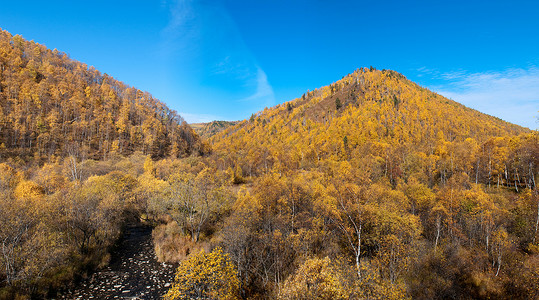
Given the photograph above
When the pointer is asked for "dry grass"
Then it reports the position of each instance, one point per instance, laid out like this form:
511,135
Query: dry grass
172,246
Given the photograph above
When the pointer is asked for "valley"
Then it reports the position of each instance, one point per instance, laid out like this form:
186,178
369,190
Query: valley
372,187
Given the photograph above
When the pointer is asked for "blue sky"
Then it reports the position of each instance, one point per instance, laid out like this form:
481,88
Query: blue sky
226,59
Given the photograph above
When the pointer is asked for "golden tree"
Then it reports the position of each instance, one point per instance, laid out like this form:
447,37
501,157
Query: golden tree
315,279
205,276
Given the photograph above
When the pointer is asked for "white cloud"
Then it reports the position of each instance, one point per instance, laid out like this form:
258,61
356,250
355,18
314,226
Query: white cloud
511,95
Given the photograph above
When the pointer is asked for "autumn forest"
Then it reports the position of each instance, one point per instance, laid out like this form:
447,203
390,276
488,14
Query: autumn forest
371,187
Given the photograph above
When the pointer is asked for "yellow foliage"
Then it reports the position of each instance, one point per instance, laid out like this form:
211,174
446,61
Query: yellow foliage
105,115
149,167
205,276
315,279
27,189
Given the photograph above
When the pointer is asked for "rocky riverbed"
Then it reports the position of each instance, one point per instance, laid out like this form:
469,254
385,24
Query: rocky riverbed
133,273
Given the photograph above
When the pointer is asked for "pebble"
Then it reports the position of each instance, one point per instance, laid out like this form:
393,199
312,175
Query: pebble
125,274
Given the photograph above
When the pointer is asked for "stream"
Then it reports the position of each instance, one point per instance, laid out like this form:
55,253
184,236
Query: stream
133,272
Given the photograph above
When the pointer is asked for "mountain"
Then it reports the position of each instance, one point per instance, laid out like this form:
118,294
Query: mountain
52,105
369,113
207,130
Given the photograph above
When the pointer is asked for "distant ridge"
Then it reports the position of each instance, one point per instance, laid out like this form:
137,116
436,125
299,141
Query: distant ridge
207,130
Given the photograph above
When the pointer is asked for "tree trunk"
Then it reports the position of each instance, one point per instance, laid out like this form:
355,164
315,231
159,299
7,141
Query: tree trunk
438,228
499,263
536,220
358,251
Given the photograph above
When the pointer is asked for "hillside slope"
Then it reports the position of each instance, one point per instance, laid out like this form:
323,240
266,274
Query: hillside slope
369,113
52,105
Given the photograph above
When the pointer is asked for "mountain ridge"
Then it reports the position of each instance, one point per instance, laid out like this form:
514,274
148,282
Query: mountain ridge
327,95
379,113
322,101
209,129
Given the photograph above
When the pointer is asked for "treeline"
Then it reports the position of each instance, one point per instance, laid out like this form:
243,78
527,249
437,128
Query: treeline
53,106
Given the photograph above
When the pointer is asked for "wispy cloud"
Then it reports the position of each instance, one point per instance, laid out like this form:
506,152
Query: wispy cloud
181,26
512,94
264,91
181,12
207,50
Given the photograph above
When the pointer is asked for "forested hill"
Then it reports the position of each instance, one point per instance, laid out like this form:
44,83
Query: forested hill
369,114
391,190
52,105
